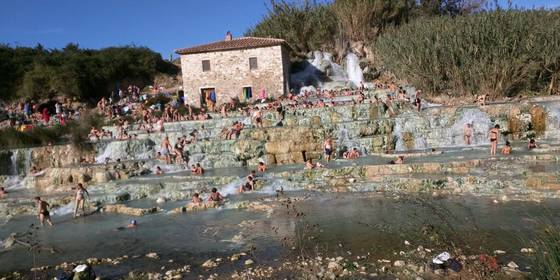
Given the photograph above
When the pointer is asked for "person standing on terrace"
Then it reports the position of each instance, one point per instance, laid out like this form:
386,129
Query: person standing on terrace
467,133
166,150
81,193
328,146
418,101
494,135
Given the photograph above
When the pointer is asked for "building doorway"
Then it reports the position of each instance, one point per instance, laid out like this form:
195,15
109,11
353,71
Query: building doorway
204,95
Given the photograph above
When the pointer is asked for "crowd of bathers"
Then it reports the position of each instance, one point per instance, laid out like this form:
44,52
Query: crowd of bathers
26,115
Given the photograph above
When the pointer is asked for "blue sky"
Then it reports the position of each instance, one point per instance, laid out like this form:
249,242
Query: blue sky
162,25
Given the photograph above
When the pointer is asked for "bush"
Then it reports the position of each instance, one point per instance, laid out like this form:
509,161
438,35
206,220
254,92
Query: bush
500,53
547,259
74,72
74,132
305,26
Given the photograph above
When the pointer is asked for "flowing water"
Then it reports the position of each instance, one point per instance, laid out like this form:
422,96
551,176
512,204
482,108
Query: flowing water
358,223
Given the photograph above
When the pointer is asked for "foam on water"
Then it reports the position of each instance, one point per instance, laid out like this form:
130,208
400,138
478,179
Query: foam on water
64,210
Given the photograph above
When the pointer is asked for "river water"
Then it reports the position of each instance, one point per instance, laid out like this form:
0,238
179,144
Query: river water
302,223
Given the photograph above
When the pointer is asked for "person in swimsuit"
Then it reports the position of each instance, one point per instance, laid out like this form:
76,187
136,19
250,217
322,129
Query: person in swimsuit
196,200
467,133
80,199
328,148
418,101
178,152
257,116
42,208
493,135
261,167
199,170
248,185
215,198
165,150
159,171
532,144
506,150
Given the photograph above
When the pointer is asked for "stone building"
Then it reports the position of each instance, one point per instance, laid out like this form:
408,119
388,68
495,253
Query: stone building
235,68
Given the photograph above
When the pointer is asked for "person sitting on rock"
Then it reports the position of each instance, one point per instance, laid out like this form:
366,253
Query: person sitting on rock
215,198
248,186
310,165
197,169
532,144
159,171
261,167
506,150
196,199
352,154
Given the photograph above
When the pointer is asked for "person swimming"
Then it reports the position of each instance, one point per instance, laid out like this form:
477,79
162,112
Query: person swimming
132,224
3,192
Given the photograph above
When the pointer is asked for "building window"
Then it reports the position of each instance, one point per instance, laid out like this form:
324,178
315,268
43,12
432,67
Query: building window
205,65
253,63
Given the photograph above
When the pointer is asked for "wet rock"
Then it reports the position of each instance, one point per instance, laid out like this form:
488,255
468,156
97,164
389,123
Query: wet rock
152,255
124,197
512,265
399,263
334,267
499,252
123,209
249,262
527,250
83,272
209,264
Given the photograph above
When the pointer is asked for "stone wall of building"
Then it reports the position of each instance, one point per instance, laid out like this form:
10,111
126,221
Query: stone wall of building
230,73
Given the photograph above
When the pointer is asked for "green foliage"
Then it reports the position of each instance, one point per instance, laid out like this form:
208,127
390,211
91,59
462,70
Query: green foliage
547,259
12,138
74,72
78,131
304,26
74,132
363,20
308,26
501,53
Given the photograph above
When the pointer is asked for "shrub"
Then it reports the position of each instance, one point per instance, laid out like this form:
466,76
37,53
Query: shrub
501,53
547,259
304,26
74,72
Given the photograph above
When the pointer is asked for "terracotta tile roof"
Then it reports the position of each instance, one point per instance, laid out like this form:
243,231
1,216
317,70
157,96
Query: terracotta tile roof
234,44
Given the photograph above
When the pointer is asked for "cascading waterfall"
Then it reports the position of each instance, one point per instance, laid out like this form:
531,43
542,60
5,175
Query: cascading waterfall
345,143
407,131
481,124
20,161
133,149
353,69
